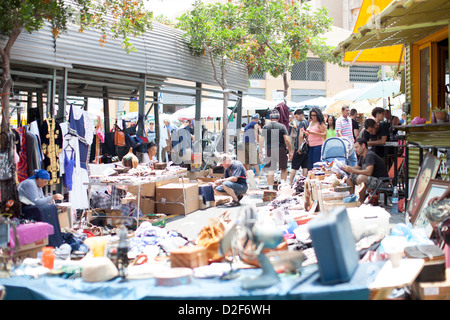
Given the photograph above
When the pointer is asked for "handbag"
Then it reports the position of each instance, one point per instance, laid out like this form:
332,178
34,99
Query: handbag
133,141
304,146
119,137
6,166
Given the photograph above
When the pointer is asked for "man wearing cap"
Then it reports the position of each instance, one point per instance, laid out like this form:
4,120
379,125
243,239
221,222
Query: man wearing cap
234,182
30,190
251,138
277,145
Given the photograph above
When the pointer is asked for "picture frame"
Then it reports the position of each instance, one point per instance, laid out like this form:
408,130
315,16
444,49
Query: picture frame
427,171
435,188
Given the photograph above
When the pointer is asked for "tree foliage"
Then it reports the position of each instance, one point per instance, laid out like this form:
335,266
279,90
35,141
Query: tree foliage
215,30
114,18
281,33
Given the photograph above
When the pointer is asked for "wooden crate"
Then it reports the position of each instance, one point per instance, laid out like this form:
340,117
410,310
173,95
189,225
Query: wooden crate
189,257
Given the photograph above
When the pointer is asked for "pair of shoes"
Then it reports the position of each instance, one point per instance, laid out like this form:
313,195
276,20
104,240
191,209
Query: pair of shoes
233,204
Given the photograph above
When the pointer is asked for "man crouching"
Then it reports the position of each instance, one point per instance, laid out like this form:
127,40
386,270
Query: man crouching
367,172
234,183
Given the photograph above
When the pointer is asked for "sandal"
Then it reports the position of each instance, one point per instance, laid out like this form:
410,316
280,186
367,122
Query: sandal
233,204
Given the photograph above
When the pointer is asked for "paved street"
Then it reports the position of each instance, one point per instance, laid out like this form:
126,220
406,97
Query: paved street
190,225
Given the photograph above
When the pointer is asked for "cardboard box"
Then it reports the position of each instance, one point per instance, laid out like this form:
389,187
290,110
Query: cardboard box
31,250
64,215
202,205
206,180
194,175
177,198
433,290
188,257
106,215
149,189
146,204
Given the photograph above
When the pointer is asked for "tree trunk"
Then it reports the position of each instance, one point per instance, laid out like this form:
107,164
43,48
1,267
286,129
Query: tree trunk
226,95
286,86
8,187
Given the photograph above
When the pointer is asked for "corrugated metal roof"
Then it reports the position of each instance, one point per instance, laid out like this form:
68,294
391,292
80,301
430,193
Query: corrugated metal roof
36,47
161,52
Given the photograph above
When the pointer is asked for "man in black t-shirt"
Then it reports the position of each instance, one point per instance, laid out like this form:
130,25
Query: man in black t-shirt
299,159
355,124
369,169
376,135
277,144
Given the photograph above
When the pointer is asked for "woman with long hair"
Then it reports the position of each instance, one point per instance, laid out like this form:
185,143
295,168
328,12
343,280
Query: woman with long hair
331,127
316,133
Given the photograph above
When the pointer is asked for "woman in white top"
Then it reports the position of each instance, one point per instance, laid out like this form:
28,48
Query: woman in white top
150,156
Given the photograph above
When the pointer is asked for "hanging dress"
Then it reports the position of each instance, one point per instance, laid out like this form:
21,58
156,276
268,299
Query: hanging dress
69,165
52,140
22,167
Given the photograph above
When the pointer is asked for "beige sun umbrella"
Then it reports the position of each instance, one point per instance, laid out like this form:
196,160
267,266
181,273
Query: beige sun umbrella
335,109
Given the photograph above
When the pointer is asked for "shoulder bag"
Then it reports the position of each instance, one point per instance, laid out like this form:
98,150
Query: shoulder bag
6,164
119,137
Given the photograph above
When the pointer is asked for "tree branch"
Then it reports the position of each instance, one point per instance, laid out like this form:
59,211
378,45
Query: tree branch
12,39
214,69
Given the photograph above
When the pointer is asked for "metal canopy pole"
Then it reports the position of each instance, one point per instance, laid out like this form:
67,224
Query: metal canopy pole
156,115
62,98
197,146
106,109
141,111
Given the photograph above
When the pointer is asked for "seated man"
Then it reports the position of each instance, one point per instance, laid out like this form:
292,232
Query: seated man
367,172
234,183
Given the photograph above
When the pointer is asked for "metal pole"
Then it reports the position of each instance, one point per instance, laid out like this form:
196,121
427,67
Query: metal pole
106,109
141,112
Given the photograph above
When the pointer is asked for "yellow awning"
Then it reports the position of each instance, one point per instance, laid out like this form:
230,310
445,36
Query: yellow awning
383,56
401,22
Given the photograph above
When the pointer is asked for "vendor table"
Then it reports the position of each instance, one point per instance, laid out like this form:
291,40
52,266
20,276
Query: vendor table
291,287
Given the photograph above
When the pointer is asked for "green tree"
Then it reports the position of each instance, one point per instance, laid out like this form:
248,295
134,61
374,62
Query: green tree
114,18
281,33
215,30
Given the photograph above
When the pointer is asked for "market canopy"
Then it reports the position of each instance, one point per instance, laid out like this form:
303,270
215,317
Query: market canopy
401,22
381,89
384,55
319,102
209,109
336,107
252,104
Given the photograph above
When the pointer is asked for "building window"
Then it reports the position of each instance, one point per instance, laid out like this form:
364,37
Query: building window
299,95
257,93
257,76
364,73
309,70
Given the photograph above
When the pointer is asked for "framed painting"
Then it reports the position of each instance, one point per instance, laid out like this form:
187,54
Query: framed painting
427,171
435,188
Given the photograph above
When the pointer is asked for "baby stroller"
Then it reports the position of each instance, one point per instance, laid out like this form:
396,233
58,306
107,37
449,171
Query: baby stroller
334,149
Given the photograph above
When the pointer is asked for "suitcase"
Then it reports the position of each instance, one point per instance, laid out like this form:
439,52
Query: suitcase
334,245
434,267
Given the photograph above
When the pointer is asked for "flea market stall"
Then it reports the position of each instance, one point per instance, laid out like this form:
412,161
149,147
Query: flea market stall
311,241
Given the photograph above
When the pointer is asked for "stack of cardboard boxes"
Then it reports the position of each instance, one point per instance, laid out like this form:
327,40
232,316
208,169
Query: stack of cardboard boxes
147,201
174,195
